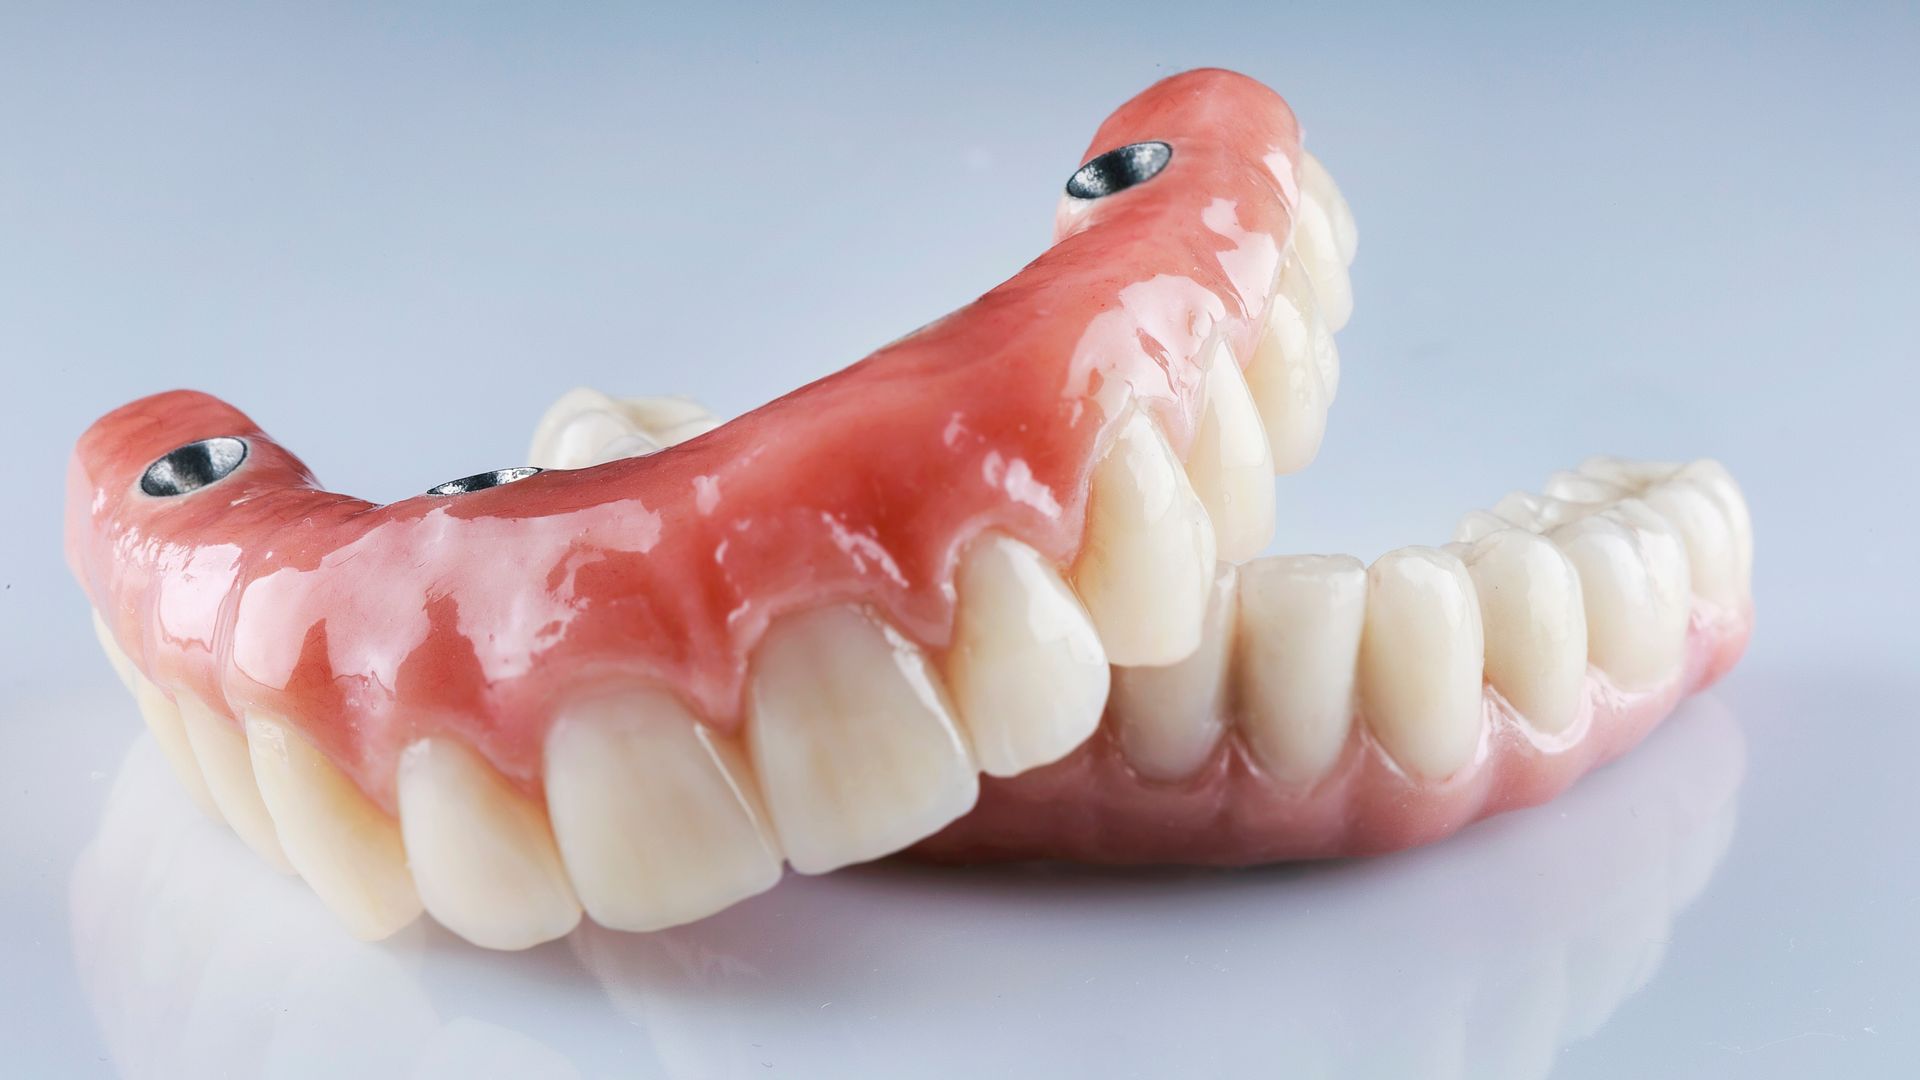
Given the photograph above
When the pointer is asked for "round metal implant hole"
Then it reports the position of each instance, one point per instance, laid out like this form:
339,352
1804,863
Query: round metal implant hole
481,481
191,467
1118,170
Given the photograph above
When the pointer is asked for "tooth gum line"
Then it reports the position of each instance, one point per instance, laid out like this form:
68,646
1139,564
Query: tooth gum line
370,627
1092,806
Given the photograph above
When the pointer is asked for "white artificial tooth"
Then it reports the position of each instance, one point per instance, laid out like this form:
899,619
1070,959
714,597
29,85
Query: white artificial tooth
583,441
1535,626
853,739
1229,464
116,656
1421,661
482,853
1475,524
1634,581
1026,669
162,715
1146,557
1297,646
669,420
638,444
1319,252
1712,477
1713,560
545,449
657,818
1580,488
1170,718
1317,183
1538,513
1626,473
1294,372
220,747
346,847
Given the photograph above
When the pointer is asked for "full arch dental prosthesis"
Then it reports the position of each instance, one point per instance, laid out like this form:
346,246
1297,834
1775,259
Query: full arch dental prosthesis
670,655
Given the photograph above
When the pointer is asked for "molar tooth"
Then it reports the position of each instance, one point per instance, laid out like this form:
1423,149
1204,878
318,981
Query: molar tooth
669,420
1296,648
1027,672
1170,718
1294,372
1421,661
853,739
1580,488
482,854
1475,524
1535,626
116,656
582,441
656,816
1318,185
1538,513
346,848
1146,558
1230,465
1626,473
162,715
1319,252
1634,580
220,747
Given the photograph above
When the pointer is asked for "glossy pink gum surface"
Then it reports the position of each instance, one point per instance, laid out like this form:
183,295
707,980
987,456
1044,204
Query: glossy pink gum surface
1092,807
371,626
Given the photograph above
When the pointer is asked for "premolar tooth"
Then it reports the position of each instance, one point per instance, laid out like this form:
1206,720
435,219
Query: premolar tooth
1713,559
1294,372
1171,717
157,708
346,848
1297,645
1319,252
853,739
1475,524
669,420
583,441
1627,473
1537,513
1580,488
1230,465
1421,661
1535,626
1317,184
1026,669
1146,558
656,817
1712,477
1634,581
220,747
482,853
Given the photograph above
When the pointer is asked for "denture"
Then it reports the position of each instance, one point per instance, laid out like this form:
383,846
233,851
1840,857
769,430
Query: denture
996,591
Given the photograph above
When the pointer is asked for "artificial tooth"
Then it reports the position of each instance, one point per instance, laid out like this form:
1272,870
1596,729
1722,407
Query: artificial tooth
1229,464
346,847
1294,372
116,656
1026,669
1421,661
1712,556
583,441
1475,524
1171,717
853,739
482,853
1146,558
220,747
545,451
162,715
1712,477
1634,581
638,444
1319,252
656,816
669,420
1627,473
1535,626
1317,184
1297,646
1537,513
1579,488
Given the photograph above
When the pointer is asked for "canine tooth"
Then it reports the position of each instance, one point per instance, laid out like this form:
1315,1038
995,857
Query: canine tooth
1026,670
162,715
220,747
1318,185
1535,625
116,656
1634,581
346,848
1169,718
853,739
1294,372
1297,645
1146,558
656,817
1319,252
1421,660
1230,465
482,854
1475,524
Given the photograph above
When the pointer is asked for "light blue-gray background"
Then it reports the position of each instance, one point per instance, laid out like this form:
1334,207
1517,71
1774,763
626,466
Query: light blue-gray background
393,236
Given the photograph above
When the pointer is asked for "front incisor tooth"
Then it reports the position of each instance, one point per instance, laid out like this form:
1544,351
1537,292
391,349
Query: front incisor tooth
221,749
482,853
1294,372
656,816
1297,645
1317,184
1230,465
1170,718
157,708
853,739
346,847
1028,675
1421,661
1535,626
1146,558
1634,581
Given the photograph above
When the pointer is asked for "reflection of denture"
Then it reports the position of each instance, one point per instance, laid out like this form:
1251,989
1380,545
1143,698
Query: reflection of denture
1019,541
